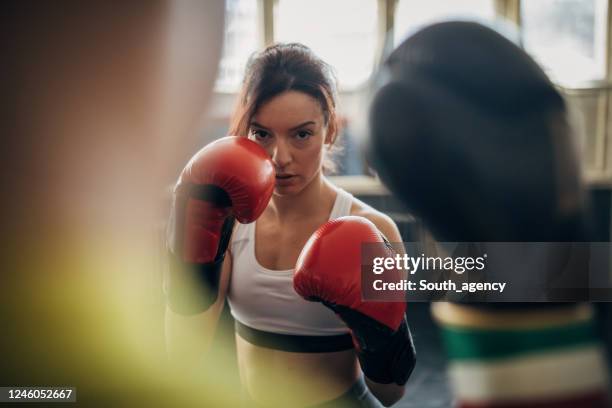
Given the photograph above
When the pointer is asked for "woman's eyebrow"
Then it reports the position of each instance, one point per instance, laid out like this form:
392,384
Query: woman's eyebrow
310,122
258,125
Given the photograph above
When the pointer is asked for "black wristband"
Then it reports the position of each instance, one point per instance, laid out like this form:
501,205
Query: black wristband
192,288
386,356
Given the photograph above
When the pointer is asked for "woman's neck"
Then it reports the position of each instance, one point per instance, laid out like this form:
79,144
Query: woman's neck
309,201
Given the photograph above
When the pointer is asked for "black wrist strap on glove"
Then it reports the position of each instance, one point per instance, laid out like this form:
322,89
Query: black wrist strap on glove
386,356
193,287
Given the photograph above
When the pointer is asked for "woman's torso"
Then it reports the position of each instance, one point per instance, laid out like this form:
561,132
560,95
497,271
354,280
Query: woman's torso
261,296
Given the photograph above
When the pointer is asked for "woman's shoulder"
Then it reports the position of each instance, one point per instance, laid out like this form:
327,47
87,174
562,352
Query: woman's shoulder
382,221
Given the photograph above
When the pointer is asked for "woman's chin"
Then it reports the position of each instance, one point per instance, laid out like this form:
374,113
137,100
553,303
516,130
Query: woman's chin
287,186
288,190
285,191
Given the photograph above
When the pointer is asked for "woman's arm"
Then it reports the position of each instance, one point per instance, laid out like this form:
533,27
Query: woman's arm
188,337
205,204
387,394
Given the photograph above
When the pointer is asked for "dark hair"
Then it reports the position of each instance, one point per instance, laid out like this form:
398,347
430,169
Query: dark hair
286,67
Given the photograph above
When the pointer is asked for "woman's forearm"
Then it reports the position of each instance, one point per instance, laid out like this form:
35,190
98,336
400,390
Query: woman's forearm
189,337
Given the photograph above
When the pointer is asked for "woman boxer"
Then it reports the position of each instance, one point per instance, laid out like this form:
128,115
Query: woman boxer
288,107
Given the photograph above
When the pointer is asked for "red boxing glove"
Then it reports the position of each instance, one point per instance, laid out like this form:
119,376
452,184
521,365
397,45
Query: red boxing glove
329,270
230,178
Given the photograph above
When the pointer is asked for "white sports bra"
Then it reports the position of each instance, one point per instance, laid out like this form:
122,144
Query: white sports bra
264,299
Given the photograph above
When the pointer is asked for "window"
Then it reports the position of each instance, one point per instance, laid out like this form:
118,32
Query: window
240,41
341,32
567,37
411,14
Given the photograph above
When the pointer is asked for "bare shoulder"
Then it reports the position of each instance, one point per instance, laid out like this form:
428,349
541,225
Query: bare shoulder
383,222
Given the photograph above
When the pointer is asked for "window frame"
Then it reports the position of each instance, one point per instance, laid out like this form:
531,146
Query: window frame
509,10
601,170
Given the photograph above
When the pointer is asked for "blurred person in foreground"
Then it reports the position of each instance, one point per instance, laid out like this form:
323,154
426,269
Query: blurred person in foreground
472,136
101,100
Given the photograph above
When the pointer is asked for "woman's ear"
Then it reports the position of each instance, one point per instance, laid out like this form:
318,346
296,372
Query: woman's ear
329,137
332,132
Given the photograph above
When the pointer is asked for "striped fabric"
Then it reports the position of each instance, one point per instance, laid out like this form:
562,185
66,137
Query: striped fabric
540,358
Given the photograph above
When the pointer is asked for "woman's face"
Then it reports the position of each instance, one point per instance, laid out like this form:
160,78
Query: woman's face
291,127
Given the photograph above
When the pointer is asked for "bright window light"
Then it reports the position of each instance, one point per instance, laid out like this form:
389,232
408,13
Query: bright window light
341,32
567,37
241,40
412,14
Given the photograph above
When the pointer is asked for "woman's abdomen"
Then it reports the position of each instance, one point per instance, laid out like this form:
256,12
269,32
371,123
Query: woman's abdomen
280,378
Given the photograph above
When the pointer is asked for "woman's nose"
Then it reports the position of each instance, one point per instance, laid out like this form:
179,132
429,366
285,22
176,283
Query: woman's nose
281,154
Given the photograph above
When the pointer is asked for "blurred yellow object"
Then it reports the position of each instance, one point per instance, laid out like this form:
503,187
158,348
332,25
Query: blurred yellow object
104,103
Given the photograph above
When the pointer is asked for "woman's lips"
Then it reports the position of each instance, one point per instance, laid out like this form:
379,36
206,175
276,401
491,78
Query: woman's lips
284,179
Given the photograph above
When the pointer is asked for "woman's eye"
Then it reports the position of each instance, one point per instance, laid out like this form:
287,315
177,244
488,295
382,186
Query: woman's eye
303,135
260,134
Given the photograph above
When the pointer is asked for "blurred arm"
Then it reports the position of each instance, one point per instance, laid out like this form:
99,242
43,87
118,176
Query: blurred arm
189,337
